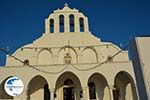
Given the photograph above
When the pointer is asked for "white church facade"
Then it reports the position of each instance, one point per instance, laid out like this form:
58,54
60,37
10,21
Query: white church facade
69,63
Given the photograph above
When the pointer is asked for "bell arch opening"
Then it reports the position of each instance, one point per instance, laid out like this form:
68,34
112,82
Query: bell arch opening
71,21
51,25
81,24
61,23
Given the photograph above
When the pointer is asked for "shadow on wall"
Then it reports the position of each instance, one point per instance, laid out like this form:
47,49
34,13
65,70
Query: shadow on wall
38,88
3,94
124,87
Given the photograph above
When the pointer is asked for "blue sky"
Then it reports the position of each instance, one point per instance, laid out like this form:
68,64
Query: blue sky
22,21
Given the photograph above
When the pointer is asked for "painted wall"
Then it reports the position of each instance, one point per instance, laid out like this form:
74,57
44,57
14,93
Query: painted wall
140,55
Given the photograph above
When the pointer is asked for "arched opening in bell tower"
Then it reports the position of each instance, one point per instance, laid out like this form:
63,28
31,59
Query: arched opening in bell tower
51,25
61,23
81,22
71,21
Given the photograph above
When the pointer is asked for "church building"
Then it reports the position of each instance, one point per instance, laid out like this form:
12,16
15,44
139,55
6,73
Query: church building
69,63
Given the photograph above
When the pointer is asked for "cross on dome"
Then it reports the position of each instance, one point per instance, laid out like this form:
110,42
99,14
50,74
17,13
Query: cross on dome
66,4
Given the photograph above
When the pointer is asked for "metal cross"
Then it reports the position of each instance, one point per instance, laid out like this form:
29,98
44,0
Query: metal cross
65,4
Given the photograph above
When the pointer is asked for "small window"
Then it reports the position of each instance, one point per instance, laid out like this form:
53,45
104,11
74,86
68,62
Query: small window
26,62
61,23
110,58
51,25
81,22
92,90
71,21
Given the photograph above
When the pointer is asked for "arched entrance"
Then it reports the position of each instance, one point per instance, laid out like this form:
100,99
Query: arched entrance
38,89
68,87
68,90
124,87
98,88
3,94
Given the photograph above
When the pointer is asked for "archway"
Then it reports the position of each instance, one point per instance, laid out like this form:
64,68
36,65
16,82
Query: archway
38,89
98,87
45,57
87,54
68,87
3,94
124,87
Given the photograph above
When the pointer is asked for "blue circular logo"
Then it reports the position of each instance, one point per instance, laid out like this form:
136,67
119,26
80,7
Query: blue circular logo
13,86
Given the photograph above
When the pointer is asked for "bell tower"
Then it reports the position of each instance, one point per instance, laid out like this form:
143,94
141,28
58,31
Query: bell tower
66,20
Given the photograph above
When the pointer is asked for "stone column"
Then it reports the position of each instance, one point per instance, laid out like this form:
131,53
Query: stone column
66,24
111,88
56,24
47,26
76,22
85,93
52,90
86,26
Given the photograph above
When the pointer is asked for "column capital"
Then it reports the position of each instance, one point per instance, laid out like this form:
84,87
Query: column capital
52,89
111,86
84,88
